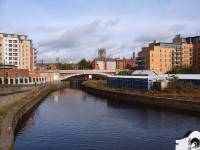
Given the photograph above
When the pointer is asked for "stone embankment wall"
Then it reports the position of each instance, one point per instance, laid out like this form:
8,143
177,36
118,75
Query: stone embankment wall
13,89
8,93
164,102
27,102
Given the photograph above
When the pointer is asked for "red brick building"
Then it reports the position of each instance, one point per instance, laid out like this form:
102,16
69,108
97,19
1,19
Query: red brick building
53,66
12,72
122,64
196,55
196,50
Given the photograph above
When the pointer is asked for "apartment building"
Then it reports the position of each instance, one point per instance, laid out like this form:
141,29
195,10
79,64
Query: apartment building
158,56
33,58
163,57
184,52
17,50
140,61
195,41
143,59
9,49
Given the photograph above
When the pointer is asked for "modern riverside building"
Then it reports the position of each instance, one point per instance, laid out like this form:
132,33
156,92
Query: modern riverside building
183,54
158,56
195,41
163,57
17,50
140,61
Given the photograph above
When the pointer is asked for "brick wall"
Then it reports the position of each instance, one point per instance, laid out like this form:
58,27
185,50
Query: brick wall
13,72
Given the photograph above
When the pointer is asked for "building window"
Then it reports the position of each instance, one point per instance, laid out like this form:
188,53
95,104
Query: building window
21,80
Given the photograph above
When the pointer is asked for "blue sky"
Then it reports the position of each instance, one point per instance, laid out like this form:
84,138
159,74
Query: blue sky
73,29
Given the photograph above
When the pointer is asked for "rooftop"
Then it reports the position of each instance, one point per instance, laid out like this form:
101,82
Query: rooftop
134,77
182,76
144,73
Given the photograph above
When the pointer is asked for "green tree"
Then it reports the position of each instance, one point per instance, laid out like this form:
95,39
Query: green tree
64,66
84,64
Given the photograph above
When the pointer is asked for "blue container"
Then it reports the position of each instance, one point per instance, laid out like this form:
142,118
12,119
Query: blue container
130,83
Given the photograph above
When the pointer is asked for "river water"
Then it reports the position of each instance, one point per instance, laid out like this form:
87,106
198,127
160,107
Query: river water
71,119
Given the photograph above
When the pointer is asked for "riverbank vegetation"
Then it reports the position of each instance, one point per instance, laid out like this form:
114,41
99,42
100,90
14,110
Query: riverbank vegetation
184,69
175,90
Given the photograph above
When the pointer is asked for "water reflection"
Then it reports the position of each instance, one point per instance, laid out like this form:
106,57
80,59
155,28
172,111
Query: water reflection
26,124
72,119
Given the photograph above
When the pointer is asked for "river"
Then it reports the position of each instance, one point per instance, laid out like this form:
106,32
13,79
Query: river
71,119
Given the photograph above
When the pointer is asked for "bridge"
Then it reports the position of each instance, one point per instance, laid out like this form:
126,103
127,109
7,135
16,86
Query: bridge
53,75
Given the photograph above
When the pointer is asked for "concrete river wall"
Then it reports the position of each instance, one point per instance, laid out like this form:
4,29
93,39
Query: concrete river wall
188,105
27,102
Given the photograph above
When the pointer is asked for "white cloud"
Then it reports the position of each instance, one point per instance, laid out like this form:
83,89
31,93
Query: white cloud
79,41
75,38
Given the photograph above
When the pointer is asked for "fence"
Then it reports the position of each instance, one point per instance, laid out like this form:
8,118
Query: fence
23,80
